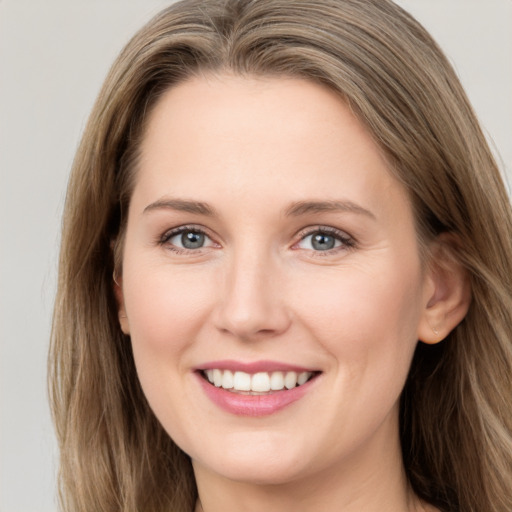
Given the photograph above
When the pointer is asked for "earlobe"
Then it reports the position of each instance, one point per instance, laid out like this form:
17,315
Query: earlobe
447,291
121,312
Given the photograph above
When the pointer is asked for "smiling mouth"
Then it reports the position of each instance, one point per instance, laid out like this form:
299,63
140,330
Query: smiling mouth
261,383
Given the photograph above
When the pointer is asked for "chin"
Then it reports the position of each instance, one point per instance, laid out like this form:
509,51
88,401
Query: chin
271,472
256,459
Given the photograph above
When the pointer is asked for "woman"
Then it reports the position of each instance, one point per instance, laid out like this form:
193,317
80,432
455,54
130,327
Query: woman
285,275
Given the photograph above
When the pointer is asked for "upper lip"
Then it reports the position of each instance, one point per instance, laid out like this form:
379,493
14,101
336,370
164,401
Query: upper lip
254,366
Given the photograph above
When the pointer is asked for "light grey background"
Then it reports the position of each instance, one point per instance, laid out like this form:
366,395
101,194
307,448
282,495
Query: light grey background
54,55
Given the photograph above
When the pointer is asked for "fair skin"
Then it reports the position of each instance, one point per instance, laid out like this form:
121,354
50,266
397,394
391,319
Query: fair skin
265,229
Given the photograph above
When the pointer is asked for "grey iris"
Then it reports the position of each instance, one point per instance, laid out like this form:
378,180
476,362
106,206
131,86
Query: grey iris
322,242
192,239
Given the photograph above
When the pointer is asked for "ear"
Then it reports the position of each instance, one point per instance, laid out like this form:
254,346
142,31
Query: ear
447,291
121,311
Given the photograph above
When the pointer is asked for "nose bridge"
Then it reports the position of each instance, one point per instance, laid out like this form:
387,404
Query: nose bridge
252,304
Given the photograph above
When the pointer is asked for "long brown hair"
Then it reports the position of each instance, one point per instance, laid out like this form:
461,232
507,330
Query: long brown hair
456,409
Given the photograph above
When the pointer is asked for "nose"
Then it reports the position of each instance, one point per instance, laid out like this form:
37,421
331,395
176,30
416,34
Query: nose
251,302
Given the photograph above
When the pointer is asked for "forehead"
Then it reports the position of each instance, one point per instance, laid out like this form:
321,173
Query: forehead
267,136
244,111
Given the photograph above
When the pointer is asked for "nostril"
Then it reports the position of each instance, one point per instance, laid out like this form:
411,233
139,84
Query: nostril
250,304
252,322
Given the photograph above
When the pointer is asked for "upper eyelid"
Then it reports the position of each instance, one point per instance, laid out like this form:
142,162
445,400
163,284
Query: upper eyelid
169,233
323,229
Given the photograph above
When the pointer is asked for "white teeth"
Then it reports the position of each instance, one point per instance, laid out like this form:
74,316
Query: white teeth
227,380
303,378
217,378
290,380
260,382
277,381
242,381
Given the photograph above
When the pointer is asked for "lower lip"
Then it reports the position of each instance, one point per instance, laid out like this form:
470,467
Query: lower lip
253,405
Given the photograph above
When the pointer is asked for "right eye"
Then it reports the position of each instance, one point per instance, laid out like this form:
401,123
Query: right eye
186,239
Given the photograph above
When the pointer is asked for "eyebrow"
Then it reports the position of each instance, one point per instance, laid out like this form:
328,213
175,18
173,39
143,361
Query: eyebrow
305,207
294,210
181,205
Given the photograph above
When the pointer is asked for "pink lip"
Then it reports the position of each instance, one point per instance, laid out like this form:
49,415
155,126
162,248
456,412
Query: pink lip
252,405
254,367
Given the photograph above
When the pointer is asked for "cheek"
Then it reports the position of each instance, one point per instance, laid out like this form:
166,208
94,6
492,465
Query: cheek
366,315
367,323
166,309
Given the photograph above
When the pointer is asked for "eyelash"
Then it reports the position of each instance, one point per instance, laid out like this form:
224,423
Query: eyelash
168,235
347,242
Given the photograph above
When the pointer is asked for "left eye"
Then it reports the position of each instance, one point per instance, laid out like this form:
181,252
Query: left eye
322,241
188,239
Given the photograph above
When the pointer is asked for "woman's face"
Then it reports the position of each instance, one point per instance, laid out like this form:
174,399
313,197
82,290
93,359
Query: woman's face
268,247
